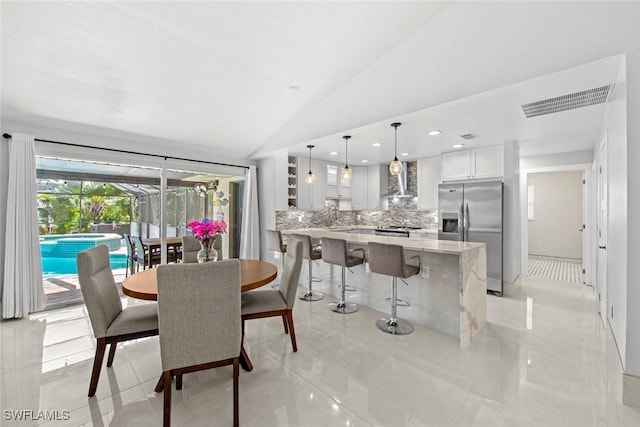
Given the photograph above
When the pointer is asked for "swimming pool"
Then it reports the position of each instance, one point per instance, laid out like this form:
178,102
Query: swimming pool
70,245
59,251
66,266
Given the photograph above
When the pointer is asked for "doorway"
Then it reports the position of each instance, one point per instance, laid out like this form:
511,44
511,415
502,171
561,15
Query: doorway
557,223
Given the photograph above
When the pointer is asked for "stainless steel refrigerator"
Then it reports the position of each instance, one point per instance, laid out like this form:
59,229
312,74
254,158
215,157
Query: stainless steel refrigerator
472,212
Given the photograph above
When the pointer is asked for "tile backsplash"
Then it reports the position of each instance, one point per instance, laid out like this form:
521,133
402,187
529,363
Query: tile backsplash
330,216
398,210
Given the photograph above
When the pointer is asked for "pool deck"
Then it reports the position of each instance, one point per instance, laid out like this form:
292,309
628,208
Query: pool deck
65,289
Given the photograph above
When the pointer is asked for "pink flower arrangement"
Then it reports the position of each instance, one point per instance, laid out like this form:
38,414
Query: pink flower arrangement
206,230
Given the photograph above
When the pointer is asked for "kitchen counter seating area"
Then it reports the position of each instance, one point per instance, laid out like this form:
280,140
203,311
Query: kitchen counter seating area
449,294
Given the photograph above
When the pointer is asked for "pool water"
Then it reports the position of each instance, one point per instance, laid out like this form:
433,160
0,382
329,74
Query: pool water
54,267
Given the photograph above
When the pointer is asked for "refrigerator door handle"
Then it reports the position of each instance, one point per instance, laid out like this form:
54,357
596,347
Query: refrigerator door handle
460,222
465,222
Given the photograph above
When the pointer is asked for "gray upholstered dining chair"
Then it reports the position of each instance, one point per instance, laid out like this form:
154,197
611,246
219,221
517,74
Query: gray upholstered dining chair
110,322
278,302
191,246
199,322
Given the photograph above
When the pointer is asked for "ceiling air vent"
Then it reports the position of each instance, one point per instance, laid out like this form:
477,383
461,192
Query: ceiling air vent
571,101
468,136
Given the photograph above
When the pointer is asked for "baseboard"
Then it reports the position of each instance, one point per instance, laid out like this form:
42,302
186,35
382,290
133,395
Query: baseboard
631,390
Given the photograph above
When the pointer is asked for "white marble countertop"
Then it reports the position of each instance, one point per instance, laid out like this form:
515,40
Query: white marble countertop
414,244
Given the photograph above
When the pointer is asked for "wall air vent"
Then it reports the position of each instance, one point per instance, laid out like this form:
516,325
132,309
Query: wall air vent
468,136
571,101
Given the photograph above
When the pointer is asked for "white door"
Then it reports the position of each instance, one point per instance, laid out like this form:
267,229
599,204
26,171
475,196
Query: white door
601,232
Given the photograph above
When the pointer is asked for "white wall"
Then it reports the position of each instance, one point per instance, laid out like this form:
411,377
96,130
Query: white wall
128,143
615,125
632,354
266,169
557,214
558,159
511,238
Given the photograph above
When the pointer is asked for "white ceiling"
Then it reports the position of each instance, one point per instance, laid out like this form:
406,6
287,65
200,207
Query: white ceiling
214,75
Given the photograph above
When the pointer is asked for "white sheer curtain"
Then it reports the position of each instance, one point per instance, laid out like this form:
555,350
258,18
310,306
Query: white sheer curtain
250,236
22,291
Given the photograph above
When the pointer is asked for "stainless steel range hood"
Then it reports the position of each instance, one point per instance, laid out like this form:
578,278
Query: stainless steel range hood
403,191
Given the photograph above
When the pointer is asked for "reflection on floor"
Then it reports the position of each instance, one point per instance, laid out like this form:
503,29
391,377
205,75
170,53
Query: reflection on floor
543,359
562,269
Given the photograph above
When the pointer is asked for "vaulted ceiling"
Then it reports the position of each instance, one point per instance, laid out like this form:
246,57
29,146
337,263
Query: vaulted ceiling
253,79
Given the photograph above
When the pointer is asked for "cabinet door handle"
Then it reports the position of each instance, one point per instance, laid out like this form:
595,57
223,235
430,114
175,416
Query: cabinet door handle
603,247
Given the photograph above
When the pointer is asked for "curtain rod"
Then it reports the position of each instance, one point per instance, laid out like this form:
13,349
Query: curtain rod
115,150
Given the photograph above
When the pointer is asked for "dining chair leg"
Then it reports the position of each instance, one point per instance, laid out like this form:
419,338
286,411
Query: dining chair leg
166,417
236,374
292,331
97,365
112,353
160,384
284,321
179,382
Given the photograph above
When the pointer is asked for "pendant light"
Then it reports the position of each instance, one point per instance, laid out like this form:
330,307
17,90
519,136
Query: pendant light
395,167
310,178
345,172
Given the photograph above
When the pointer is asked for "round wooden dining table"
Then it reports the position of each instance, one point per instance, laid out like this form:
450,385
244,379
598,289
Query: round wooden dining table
253,274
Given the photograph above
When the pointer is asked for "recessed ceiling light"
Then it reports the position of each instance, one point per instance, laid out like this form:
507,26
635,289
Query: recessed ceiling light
458,145
364,161
404,154
293,89
333,153
435,132
376,144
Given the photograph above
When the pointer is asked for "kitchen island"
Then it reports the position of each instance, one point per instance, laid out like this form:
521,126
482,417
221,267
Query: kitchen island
449,294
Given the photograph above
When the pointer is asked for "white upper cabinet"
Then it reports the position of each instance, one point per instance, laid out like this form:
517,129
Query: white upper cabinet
337,188
311,196
429,175
487,162
344,190
332,181
478,163
359,188
318,189
376,186
456,165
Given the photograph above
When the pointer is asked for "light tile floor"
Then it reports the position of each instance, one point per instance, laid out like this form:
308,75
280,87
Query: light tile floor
543,359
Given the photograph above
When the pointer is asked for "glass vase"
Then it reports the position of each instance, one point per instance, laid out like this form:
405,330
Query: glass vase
207,253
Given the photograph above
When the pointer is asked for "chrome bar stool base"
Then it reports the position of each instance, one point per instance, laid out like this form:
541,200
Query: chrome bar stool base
394,326
399,302
311,296
343,307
